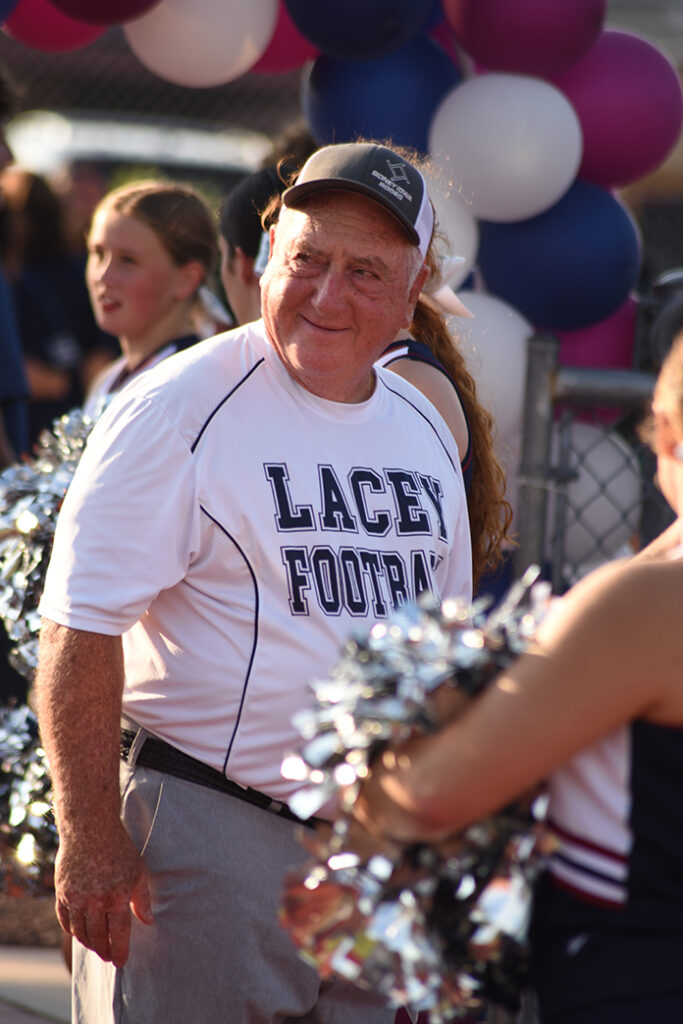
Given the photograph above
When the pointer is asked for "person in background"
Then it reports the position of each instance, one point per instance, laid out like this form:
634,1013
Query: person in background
238,510
241,236
80,185
151,248
14,433
596,709
54,317
14,427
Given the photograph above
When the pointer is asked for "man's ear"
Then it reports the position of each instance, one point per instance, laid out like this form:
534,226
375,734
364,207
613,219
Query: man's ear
414,294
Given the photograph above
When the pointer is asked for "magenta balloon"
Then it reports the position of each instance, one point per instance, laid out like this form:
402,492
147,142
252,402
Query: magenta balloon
443,35
38,24
287,49
606,345
532,37
104,12
629,101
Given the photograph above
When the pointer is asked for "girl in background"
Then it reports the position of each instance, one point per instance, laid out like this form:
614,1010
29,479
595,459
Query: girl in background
151,248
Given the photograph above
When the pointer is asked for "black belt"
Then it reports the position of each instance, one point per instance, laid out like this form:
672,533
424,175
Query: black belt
162,757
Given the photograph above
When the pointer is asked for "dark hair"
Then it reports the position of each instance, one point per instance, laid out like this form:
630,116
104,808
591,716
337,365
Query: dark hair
36,223
177,214
239,219
9,94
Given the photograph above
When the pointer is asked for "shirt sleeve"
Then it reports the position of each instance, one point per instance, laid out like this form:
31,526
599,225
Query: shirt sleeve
129,524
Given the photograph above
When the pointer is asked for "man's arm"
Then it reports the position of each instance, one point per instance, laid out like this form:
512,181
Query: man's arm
99,873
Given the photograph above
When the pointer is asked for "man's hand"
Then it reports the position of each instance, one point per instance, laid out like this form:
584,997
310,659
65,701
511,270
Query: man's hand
97,882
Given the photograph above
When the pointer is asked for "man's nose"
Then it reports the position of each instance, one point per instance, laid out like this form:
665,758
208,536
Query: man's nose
330,291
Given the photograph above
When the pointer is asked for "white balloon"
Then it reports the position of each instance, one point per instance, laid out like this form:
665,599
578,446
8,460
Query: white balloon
603,503
513,144
455,222
494,346
201,43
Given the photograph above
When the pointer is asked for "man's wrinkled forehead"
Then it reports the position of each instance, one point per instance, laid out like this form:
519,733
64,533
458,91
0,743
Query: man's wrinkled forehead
324,214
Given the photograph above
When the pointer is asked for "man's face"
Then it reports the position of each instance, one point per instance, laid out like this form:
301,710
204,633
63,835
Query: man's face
342,280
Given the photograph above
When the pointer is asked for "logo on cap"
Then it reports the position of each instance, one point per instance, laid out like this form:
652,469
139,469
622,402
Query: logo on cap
397,171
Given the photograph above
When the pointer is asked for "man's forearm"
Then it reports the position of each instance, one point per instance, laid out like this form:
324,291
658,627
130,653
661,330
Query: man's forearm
99,874
78,699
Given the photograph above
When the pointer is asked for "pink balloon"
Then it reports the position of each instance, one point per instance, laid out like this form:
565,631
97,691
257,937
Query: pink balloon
287,49
38,24
533,37
629,101
607,345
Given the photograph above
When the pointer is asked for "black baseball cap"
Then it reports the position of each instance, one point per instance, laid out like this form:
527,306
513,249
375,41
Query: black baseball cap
373,171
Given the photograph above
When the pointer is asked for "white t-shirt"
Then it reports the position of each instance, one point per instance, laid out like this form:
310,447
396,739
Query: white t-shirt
236,529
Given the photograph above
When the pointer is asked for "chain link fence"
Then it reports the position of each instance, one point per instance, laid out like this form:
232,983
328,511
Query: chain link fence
587,490
106,76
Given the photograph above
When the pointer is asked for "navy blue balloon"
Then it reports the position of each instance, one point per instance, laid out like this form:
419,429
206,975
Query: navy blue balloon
436,16
392,97
359,29
567,268
6,8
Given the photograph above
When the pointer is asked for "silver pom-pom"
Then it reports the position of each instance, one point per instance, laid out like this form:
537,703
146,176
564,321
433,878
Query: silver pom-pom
31,495
28,834
438,929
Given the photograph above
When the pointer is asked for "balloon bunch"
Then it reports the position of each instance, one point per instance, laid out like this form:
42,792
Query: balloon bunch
437,928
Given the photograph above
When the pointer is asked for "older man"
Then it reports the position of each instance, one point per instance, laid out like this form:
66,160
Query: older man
235,516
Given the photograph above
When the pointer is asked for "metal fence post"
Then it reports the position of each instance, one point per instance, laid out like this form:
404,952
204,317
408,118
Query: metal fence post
534,469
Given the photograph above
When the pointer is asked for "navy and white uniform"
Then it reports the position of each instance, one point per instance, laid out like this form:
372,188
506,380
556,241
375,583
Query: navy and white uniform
608,919
419,352
115,376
